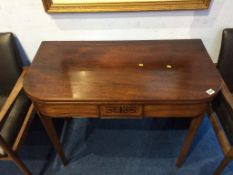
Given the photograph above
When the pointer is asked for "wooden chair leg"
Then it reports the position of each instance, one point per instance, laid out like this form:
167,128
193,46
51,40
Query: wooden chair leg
14,157
50,129
195,123
221,166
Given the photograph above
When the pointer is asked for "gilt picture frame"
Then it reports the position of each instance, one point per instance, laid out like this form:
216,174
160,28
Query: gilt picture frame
63,6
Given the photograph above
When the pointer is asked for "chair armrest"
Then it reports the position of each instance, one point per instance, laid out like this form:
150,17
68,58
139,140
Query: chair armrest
226,93
12,97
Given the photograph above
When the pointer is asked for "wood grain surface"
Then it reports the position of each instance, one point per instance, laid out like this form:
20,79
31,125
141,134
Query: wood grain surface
110,72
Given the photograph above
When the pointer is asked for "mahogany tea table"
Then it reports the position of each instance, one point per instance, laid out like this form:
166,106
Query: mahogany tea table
122,79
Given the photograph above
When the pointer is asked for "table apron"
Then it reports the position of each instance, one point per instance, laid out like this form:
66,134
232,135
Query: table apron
120,110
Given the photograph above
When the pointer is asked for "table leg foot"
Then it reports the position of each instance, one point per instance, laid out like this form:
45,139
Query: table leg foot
222,165
50,129
195,123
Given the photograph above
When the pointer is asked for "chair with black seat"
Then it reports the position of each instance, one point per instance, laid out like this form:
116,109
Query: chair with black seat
16,110
221,111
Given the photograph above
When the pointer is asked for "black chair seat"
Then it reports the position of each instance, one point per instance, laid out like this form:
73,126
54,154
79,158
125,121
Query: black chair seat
14,120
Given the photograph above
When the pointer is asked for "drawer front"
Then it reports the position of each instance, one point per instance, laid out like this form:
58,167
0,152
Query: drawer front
174,110
114,111
68,110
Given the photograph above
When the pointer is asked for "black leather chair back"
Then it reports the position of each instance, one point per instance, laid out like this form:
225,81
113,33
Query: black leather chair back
225,61
10,68
225,67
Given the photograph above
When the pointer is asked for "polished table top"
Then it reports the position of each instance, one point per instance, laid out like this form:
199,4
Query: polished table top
171,71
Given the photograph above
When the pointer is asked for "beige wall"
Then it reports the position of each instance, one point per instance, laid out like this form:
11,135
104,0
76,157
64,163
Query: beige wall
27,19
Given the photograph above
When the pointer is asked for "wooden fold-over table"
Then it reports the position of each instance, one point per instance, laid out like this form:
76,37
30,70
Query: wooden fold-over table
122,79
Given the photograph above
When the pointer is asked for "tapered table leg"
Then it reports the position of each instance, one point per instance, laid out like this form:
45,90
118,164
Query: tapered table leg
50,129
14,157
195,123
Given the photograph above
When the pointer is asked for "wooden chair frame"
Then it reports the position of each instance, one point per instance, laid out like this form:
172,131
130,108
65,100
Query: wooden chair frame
11,150
226,147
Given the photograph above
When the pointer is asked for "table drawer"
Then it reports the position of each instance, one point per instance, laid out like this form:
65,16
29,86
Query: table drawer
68,109
174,110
